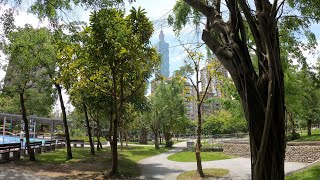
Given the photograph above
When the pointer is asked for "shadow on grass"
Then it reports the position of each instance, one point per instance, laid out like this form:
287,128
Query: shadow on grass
84,165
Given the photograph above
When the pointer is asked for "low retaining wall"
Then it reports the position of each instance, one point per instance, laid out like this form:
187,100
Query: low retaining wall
295,151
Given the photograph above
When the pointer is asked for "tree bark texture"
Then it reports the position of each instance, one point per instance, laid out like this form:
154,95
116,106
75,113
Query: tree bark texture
262,92
121,139
167,137
116,120
65,123
156,138
26,127
88,128
143,136
309,127
99,144
110,128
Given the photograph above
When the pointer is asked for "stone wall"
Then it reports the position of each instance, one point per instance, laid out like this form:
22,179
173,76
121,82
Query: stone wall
240,149
295,152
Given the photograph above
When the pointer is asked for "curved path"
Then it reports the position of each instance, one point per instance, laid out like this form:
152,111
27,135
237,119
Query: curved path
159,167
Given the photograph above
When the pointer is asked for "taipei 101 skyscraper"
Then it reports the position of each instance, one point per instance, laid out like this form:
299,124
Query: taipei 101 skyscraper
163,49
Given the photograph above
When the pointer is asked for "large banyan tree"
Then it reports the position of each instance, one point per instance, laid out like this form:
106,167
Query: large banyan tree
239,32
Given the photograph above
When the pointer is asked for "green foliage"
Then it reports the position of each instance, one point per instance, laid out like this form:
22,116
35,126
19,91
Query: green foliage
292,136
222,122
169,144
55,9
167,108
25,48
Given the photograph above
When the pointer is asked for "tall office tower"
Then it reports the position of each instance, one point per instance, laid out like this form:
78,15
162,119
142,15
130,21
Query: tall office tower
163,49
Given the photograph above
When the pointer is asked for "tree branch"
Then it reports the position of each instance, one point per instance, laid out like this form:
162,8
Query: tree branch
202,7
205,92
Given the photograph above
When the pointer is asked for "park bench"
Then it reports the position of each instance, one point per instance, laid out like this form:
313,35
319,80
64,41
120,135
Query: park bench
7,149
60,143
49,145
5,153
75,143
15,149
36,146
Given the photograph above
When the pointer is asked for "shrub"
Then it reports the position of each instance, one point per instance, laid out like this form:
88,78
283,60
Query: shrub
169,144
295,136
292,136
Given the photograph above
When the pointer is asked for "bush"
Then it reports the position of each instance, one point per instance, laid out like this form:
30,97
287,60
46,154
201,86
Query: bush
292,136
169,144
295,136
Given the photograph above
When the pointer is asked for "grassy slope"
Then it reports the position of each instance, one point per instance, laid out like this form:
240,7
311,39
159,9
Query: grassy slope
310,173
188,156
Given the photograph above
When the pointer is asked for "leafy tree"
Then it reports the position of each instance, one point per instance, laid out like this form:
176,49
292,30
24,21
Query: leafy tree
172,106
26,47
118,61
191,68
231,39
53,67
167,110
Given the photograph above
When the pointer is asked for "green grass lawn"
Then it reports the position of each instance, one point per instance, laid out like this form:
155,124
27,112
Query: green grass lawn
86,138
137,142
84,162
308,174
209,174
315,136
189,156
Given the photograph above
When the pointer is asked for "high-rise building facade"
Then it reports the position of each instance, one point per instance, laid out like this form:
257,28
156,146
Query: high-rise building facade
163,49
214,89
214,85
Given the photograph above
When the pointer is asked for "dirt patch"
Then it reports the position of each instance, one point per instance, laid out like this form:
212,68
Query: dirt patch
79,170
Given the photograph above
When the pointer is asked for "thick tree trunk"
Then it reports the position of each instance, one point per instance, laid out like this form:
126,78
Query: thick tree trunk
309,127
167,138
156,138
26,127
65,123
262,94
143,136
88,128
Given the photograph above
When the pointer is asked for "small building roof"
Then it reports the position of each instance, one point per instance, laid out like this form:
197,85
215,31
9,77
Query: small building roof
40,120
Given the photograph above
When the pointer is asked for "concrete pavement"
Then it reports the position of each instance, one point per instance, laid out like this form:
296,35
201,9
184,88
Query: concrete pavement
159,167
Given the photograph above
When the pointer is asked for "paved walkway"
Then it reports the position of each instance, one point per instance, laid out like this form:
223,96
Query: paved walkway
159,167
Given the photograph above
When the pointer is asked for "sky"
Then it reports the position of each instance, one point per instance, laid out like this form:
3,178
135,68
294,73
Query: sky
157,11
